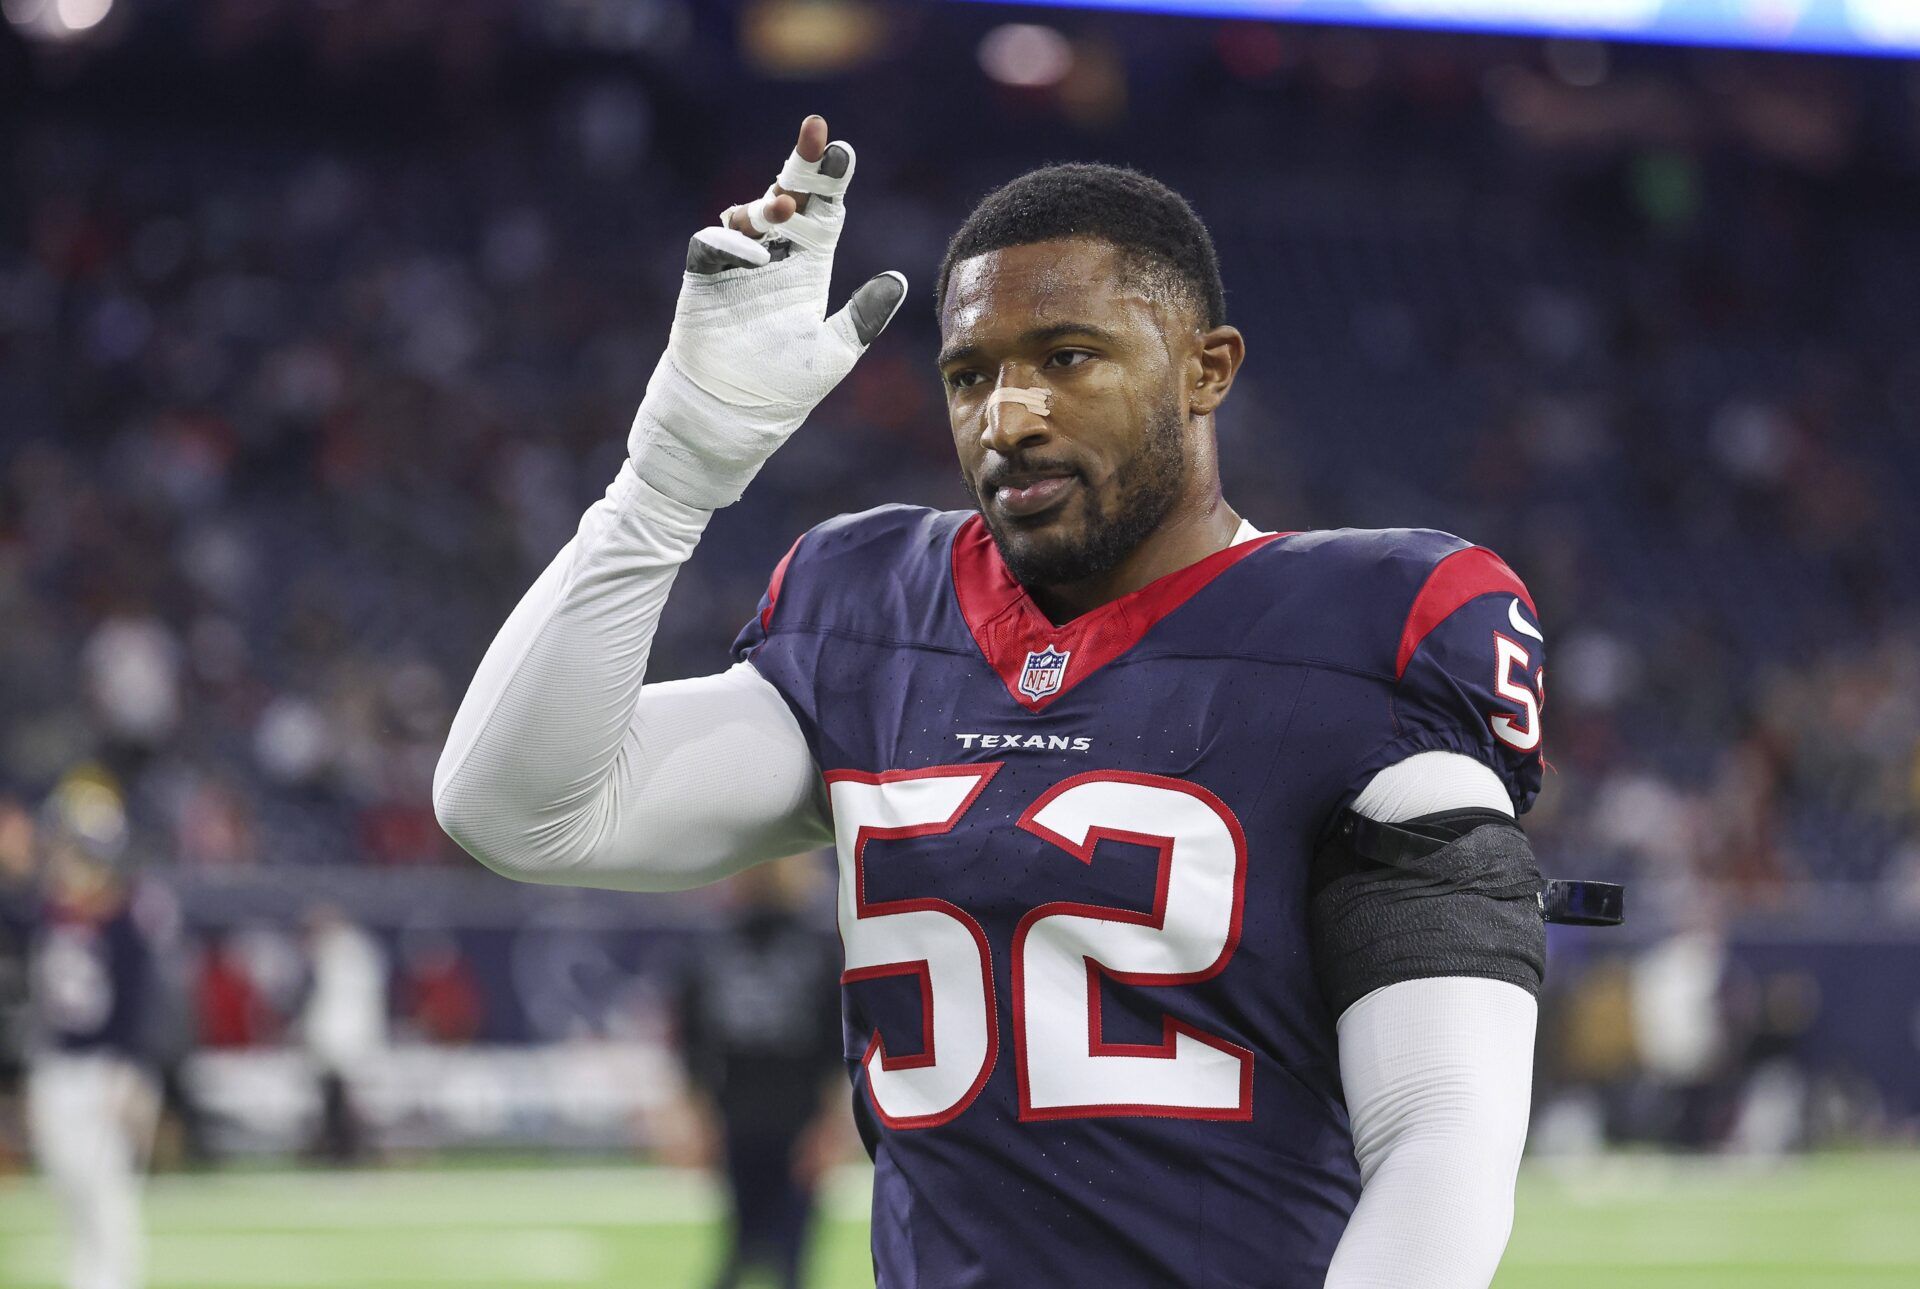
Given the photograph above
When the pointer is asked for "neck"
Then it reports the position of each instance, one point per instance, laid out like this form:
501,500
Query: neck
1190,532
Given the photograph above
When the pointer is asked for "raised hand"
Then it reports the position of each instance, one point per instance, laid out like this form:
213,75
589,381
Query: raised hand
752,350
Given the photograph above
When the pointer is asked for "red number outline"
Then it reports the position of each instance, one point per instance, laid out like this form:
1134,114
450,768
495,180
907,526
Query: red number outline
1155,918
986,771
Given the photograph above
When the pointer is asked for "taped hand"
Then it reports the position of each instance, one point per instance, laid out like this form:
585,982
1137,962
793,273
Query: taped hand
753,350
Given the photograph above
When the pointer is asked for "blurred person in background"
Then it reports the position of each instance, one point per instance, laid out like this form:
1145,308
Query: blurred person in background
174,1026
440,997
343,1024
1681,1034
92,1089
227,1004
1776,1065
16,929
759,1018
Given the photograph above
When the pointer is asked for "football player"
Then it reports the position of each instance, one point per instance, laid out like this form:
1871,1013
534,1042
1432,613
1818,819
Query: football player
92,1095
1189,935
758,1011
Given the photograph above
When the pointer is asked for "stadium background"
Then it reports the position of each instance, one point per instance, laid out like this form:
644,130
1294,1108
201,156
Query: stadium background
321,322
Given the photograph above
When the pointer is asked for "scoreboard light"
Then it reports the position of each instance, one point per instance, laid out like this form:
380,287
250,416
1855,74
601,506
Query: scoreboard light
1882,27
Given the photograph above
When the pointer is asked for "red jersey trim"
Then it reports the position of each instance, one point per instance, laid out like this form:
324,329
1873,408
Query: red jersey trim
1460,577
773,583
1008,626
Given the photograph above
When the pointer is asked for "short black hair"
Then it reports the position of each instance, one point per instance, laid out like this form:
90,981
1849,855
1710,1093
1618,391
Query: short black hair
1135,212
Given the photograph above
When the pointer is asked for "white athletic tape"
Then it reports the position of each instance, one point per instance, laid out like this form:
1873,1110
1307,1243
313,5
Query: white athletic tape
799,175
1034,400
734,243
814,229
756,213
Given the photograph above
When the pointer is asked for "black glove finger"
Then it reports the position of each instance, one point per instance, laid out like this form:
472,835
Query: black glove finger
874,304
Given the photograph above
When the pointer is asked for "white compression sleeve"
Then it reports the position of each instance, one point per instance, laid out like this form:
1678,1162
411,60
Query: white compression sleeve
1438,1075
1427,783
563,766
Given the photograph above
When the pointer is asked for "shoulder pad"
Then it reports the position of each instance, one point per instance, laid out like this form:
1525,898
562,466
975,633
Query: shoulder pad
1377,575
895,554
897,528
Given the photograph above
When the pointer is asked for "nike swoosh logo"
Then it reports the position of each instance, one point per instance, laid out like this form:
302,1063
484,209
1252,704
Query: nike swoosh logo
1521,625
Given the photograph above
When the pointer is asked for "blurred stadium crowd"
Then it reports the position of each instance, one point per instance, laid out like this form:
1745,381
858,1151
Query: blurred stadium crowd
317,333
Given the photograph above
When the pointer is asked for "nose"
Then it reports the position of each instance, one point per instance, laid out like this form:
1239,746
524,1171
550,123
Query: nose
1011,425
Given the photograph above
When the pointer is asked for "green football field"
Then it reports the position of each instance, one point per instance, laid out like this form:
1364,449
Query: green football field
1836,1222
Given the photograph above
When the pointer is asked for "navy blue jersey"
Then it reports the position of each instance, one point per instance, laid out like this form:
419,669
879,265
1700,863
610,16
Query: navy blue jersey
1080,1008
92,979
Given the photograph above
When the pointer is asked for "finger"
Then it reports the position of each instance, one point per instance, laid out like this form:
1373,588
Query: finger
837,159
775,209
872,307
815,168
826,177
810,147
813,138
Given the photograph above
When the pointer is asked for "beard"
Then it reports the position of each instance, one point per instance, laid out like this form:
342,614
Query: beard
1143,490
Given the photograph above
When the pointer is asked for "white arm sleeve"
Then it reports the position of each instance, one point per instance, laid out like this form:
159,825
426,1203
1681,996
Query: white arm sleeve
1438,1075
563,766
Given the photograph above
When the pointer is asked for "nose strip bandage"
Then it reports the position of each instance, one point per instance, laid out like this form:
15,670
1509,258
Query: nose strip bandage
1034,400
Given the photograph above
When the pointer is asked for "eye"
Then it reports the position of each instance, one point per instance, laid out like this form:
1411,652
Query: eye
1068,358
964,379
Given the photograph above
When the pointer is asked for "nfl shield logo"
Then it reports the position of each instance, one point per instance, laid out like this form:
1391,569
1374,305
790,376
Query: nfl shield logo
1044,671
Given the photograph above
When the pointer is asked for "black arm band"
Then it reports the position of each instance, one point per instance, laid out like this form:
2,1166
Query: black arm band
1451,894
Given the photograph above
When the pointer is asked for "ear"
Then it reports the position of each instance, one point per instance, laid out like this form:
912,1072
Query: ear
1218,356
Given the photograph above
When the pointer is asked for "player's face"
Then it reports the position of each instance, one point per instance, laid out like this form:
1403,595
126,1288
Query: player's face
1069,494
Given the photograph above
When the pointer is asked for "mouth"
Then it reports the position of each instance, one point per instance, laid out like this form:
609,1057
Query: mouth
1024,496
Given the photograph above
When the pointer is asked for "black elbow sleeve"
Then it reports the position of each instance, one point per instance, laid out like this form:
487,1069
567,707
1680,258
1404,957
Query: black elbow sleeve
1451,894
